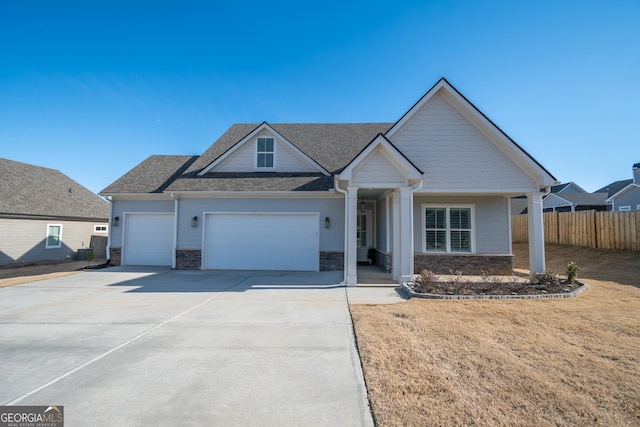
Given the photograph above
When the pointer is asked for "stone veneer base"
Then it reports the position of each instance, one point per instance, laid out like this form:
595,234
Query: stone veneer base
188,259
470,264
115,256
331,261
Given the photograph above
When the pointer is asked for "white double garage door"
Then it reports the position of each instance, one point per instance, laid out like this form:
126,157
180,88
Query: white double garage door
231,241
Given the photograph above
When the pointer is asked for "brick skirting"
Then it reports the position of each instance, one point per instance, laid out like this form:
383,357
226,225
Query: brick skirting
115,256
188,259
331,261
472,264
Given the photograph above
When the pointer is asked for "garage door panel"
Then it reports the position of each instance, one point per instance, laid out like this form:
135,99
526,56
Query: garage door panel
148,239
262,241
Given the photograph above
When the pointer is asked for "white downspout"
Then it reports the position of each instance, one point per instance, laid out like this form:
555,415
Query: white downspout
415,187
175,230
346,218
109,225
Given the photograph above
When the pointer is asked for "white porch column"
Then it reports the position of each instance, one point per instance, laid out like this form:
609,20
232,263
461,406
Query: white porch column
351,254
536,233
406,238
396,256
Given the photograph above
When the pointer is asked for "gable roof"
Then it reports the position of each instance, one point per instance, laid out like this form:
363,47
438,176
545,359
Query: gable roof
331,145
623,190
562,187
410,170
153,175
247,138
614,187
580,199
27,190
501,139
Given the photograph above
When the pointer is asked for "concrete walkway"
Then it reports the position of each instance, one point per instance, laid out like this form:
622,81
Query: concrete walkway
145,346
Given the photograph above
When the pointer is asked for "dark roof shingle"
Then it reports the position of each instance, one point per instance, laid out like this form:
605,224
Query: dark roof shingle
153,175
31,190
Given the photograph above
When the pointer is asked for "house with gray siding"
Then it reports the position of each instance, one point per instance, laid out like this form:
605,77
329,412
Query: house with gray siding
45,215
429,191
624,195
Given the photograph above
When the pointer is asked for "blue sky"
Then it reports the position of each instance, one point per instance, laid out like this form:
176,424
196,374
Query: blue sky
93,88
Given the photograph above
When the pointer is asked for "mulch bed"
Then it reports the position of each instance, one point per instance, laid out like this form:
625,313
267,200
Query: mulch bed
484,288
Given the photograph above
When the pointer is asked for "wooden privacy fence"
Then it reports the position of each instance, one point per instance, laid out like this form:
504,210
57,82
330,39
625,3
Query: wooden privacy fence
607,230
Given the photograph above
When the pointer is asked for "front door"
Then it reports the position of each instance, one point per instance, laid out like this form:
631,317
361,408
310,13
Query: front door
364,235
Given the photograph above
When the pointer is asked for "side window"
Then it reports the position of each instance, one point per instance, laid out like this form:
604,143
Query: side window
624,208
54,236
265,153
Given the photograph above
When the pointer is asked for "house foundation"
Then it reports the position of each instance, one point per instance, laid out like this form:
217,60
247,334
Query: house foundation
469,264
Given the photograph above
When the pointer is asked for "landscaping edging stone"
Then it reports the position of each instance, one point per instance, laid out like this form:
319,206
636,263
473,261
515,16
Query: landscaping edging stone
413,294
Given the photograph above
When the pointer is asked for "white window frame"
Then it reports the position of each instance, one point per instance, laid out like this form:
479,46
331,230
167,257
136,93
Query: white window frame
638,207
265,168
106,228
626,208
47,235
447,230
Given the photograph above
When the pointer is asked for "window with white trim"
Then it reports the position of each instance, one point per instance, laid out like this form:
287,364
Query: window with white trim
265,153
448,229
624,208
100,228
54,236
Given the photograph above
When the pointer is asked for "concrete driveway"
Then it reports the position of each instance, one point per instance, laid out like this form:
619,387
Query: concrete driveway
143,346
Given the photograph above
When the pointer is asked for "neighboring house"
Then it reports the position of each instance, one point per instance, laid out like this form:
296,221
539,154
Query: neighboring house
45,215
567,197
430,191
624,195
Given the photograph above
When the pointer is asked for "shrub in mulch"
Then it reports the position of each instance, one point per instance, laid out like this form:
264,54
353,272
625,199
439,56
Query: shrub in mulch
545,283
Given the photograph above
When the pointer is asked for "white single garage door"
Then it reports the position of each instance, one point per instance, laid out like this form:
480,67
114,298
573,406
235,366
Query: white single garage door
261,241
148,239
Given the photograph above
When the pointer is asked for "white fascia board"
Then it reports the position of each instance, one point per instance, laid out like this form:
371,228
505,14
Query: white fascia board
390,152
416,107
251,136
498,138
139,196
331,194
619,193
509,192
486,127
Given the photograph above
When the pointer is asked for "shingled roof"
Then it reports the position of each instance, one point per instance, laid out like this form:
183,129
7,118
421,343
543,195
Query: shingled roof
614,187
153,175
331,145
34,191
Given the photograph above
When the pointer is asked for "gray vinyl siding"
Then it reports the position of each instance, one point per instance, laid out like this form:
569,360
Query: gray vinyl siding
24,240
628,198
491,221
119,207
554,202
454,154
331,239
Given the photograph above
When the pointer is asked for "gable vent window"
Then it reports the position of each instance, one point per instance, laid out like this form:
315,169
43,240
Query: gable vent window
265,153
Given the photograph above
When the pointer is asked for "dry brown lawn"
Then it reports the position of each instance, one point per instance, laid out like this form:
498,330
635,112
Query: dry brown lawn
553,362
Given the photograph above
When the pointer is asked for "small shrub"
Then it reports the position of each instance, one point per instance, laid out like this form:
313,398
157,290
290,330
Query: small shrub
572,272
426,281
548,278
491,282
